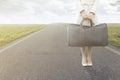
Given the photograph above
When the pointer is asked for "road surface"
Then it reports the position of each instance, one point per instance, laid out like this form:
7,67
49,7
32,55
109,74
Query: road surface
45,55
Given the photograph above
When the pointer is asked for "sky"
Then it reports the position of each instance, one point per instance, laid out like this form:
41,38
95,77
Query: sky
53,11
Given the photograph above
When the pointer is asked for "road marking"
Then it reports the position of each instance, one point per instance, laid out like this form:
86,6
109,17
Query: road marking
112,50
13,44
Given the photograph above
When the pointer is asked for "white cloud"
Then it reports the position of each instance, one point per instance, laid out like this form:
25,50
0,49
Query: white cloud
50,11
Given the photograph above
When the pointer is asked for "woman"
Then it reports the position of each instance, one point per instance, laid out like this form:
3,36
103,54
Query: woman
86,10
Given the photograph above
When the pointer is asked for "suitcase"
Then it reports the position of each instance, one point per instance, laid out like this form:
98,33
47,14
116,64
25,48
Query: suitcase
81,36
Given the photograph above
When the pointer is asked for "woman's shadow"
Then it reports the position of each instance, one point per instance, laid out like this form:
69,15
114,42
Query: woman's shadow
104,73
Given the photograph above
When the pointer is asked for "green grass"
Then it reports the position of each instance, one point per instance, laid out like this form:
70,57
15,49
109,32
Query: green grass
10,32
65,25
114,34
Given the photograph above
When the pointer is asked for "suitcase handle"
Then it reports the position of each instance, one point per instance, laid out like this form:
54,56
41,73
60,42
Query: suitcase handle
91,22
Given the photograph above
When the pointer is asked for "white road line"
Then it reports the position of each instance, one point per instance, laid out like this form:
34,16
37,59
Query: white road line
112,50
11,45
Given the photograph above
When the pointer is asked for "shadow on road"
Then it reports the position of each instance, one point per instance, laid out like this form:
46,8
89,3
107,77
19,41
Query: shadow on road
105,73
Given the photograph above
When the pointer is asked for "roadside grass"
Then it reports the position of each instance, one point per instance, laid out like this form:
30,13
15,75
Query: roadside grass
114,34
10,32
65,25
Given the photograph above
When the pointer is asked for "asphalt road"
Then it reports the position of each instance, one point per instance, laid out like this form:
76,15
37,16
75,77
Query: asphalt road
46,56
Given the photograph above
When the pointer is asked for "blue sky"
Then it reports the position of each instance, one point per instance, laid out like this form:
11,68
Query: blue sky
53,11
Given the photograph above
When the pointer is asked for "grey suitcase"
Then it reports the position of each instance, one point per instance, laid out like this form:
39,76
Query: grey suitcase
80,36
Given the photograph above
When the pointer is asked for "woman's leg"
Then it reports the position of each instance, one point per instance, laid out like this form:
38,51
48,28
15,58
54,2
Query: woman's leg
89,55
84,60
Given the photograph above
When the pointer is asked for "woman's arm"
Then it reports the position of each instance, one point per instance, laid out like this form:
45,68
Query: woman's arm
93,9
80,7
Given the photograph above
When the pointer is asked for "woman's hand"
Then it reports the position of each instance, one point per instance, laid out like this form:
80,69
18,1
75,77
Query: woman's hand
87,16
83,14
90,15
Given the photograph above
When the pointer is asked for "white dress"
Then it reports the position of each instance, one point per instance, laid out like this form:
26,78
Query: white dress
88,6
